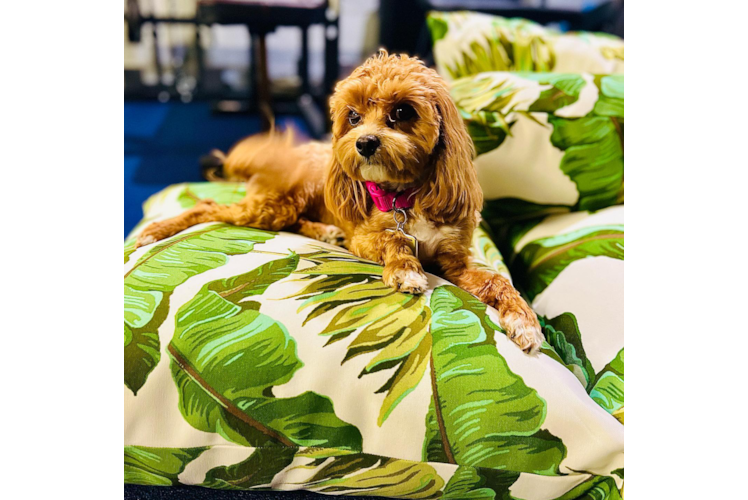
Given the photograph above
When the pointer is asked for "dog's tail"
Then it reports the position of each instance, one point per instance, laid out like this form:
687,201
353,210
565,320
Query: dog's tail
272,154
211,165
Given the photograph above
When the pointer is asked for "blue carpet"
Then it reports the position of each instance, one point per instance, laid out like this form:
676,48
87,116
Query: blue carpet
163,143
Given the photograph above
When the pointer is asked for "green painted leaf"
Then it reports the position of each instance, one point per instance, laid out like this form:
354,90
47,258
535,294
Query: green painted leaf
595,488
485,103
129,248
593,158
366,475
565,89
142,345
592,144
256,281
466,484
608,385
618,472
475,483
484,252
226,358
610,96
438,28
488,131
224,193
377,319
152,279
506,45
513,212
157,466
618,414
497,422
543,260
562,333
256,472
608,392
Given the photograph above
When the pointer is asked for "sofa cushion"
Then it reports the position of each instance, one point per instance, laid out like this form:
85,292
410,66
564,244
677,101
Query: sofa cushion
546,142
257,360
467,43
571,268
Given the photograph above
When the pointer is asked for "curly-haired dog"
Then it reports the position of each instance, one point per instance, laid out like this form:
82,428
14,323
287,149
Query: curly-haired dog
397,143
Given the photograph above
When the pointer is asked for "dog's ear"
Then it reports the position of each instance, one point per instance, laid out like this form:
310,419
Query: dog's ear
453,190
345,197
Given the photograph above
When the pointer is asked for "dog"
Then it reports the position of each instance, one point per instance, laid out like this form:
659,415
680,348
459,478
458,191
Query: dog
397,185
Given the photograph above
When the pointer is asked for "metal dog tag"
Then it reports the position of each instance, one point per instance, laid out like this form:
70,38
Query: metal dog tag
412,241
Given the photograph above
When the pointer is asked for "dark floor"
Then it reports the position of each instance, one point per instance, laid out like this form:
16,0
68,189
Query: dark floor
163,143
133,492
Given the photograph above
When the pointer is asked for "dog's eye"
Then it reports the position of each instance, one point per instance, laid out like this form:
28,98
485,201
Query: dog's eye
402,113
353,118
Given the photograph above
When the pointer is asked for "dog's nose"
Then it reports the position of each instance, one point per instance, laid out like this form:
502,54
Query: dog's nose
367,145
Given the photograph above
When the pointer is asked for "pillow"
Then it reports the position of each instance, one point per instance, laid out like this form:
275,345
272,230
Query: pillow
571,268
467,43
262,360
546,142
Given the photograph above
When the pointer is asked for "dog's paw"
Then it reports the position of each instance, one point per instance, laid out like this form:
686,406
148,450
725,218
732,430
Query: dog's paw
332,235
522,327
145,239
406,280
151,234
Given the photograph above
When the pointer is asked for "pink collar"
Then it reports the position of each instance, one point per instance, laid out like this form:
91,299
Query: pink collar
384,199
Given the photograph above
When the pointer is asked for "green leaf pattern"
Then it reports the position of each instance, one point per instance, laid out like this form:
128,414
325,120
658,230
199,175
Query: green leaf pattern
226,358
230,352
474,391
538,263
591,137
608,388
468,43
544,259
150,281
157,466
484,252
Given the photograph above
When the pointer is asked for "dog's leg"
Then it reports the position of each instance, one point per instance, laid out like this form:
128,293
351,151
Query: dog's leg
204,211
326,233
515,316
272,212
402,270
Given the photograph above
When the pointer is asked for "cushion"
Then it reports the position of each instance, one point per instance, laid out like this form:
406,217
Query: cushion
571,268
546,142
467,43
262,360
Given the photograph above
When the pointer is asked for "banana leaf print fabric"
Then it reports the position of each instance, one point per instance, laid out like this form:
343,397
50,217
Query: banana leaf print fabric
546,142
571,268
261,360
468,43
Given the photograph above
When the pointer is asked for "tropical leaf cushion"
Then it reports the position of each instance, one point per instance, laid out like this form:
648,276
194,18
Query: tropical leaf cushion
571,268
468,43
546,142
261,360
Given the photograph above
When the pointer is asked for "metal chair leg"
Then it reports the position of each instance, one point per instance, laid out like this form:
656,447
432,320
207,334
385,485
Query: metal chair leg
264,97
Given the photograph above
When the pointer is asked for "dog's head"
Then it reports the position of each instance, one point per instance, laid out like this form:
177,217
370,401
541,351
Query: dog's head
395,124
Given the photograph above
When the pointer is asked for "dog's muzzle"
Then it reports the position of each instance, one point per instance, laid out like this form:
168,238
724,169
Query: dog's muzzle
367,145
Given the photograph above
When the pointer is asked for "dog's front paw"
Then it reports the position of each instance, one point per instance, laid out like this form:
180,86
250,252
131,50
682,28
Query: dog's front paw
151,234
332,235
406,279
145,239
521,326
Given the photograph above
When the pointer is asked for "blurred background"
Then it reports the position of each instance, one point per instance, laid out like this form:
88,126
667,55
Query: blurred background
202,74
